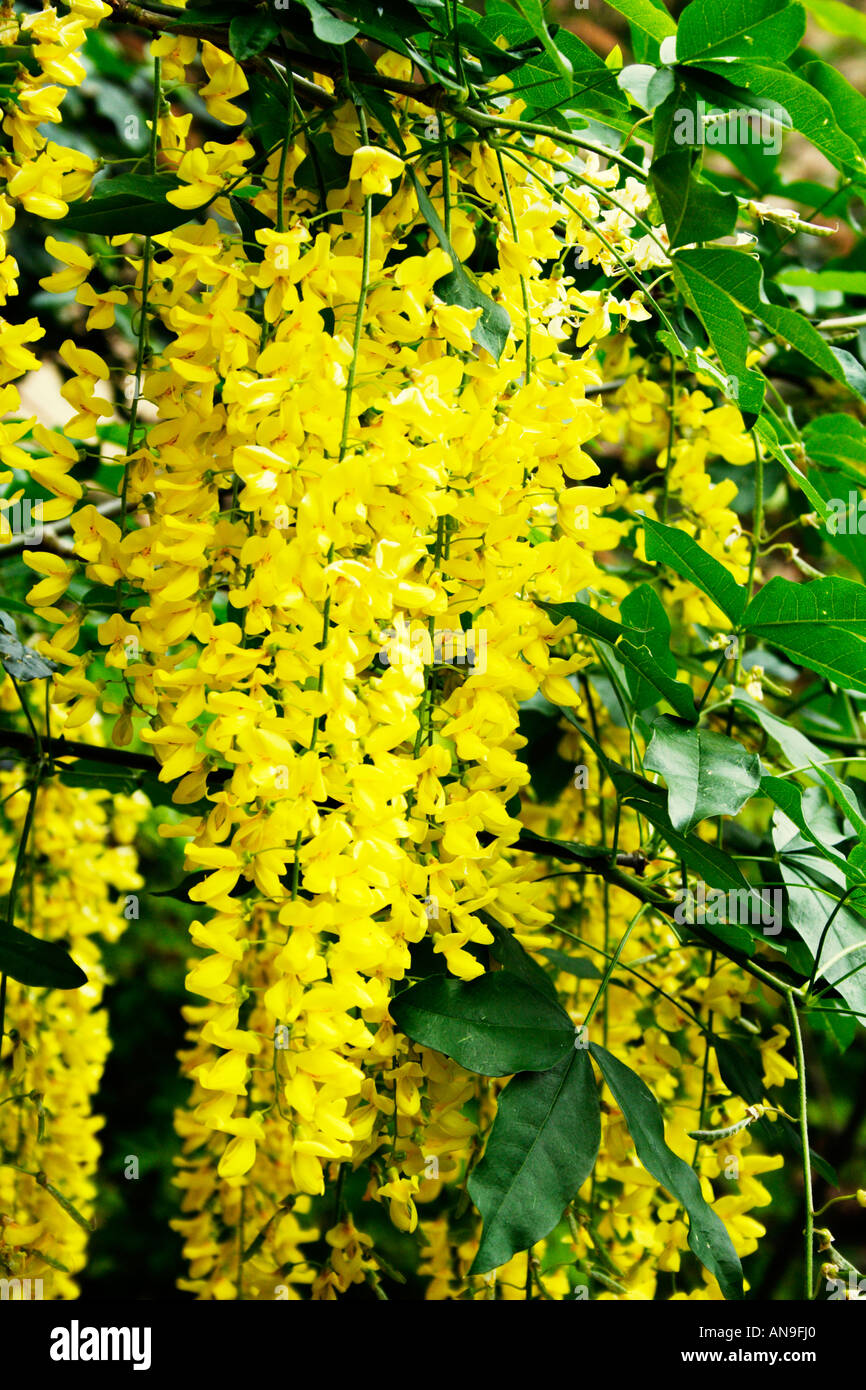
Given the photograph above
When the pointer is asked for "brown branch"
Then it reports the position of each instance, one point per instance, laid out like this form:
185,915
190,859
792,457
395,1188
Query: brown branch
126,12
68,748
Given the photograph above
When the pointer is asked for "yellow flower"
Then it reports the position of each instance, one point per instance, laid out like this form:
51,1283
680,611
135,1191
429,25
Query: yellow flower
375,167
74,257
776,1069
226,80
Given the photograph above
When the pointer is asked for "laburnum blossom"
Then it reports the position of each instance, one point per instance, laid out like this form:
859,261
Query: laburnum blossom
376,168
350,500
53,1067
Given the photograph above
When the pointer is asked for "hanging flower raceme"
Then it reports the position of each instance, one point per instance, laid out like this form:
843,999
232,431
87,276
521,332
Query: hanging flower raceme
356,477
78,887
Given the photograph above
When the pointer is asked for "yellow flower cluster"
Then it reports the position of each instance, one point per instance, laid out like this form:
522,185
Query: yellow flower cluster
81,866
354,496
629,1231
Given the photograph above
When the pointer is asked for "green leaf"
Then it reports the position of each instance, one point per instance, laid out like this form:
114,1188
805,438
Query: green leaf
591,86
739,29
644,613
648,86
179,892
151,187
250,34
846,800
631,648
39,964
64,1202
820,814
739,278
848,105
579,966
693,210
708,1238
707,774
699,361
807,880
789,798
698,283
84,772
533,13
820,624
717,869
798,749
650,16
389,22
491,330
110,596
460,287
326,26
825,281
837,444
250,220
812,488
740,1070
20,661
681,553
513,958
542,1148
495,1025
837,18
833,1019
145,213
810,113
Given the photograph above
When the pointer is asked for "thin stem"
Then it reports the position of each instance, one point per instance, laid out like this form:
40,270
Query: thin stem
713,678
705,1075
350,387
827,925
757,517
672,422
240,1269
522,278
143,325
16,878
757,526
445,159
657,989
362,302
804,1143
612,964
288,141
846,1197
481,120
37,737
